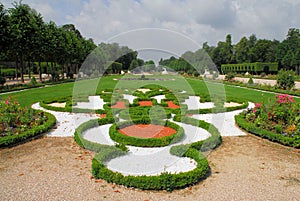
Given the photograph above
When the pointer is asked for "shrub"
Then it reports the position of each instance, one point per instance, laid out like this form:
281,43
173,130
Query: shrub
2,81
229,76
33,81
196,74
251,82
286,79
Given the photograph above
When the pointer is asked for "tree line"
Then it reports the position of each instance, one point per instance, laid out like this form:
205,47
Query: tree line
247,50
26,38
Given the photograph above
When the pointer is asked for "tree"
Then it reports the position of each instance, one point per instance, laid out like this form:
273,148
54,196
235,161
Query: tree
21,21
134,64
242,50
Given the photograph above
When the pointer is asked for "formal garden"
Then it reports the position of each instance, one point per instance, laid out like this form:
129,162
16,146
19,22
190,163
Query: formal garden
127,125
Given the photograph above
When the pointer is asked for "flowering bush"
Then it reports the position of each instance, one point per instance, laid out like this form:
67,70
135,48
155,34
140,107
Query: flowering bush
14,119
280,115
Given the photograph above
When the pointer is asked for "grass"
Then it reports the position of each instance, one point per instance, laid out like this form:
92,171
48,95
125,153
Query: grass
94,86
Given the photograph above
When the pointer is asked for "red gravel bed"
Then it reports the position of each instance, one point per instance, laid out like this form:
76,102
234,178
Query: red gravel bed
146,103
172,105
119,105
147,131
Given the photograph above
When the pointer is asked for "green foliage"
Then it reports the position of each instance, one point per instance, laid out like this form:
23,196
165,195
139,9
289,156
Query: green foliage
2,80
286,79
230,76
33,81
251,82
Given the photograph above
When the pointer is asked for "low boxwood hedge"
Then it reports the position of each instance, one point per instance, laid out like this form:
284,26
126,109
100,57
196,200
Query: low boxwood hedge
275,137
219,109
28,134
164,181
69,106
145,142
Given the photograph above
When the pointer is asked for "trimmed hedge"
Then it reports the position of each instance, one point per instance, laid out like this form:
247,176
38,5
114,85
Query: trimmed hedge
68,107
145,142
274,137
32,133
164,181
143,113
218,110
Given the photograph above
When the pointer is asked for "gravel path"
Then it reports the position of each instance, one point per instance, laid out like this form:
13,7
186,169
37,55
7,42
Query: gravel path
243,168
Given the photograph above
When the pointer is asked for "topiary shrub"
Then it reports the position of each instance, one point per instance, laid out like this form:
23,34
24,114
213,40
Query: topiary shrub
250,81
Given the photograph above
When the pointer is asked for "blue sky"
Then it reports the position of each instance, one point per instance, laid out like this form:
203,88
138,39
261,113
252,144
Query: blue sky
200,20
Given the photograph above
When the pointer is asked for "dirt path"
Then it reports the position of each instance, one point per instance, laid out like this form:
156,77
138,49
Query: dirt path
243,168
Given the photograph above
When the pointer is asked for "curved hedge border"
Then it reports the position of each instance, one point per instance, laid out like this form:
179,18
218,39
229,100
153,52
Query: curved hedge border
68,108
145,142
275,137
34,132
143,113
165,181
218,110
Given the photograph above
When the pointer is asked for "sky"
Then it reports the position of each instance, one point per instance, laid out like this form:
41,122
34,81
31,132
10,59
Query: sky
199,20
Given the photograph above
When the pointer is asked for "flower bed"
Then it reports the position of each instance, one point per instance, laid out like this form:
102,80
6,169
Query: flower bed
19,124
277,120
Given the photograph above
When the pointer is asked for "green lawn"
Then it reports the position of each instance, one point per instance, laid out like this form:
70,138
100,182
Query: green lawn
91,87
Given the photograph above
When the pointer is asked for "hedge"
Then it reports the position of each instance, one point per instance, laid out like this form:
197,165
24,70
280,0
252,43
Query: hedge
145,142
219,109
164,181
274,137
28,134
69,106
143,112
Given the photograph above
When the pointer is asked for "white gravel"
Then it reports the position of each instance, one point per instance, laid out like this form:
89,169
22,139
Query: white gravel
130,98
66,122
159,98
95,102
193,103
225,122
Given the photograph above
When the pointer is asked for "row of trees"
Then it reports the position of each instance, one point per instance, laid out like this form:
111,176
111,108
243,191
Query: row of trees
24,36
247,50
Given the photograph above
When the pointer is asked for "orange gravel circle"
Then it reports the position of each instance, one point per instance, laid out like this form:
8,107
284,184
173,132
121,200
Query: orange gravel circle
147,131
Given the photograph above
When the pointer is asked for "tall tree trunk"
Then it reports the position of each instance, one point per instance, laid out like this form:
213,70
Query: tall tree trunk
22,68
17,63
40,70
29,73
52,71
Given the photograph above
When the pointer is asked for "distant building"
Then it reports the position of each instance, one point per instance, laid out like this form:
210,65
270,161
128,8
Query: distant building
252,68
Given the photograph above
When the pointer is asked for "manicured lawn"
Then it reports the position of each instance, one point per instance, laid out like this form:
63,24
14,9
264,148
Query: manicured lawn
91,87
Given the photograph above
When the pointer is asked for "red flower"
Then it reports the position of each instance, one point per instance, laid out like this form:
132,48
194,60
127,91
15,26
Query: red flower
6,102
